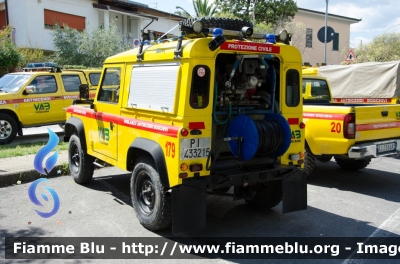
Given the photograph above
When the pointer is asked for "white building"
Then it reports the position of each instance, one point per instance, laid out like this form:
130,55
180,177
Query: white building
33,20
338,36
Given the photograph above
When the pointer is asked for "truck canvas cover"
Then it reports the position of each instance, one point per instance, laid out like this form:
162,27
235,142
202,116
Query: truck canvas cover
364,80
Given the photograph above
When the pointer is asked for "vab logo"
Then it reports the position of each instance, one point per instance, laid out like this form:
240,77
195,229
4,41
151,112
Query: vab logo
42,107
296,136
104,133
35,200
51,161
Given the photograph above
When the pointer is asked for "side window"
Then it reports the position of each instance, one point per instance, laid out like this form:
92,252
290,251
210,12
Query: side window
44,84
200,91
109,89
94,78
71,82
292,88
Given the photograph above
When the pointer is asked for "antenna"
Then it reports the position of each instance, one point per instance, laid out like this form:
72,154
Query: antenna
153,4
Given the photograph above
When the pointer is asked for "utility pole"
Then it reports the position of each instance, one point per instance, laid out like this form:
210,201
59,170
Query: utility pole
326,29
254,13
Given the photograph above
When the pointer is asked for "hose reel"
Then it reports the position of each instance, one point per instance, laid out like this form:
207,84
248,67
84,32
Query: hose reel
268,137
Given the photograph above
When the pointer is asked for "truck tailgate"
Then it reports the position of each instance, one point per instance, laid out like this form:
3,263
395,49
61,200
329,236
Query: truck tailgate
377,122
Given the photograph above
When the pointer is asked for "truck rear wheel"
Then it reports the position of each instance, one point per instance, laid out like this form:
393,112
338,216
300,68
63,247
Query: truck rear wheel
8,129
352,164
80,163
267,195
309,162
149,198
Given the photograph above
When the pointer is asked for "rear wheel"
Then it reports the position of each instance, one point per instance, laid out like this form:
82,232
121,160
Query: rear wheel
149,197
80,163
8,129
352,164
267,195
309,162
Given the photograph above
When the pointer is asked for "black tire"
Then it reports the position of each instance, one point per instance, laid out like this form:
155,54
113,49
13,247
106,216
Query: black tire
149,197
267,195
8,129
324,158
352,164
80,163
309,162
224,23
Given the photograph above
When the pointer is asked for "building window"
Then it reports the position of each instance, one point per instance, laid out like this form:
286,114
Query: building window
309,38
51,18
335,41
3,20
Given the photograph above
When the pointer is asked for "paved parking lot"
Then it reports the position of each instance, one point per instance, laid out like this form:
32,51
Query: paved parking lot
340,204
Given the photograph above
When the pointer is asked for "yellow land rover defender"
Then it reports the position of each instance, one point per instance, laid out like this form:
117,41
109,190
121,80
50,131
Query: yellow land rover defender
208,112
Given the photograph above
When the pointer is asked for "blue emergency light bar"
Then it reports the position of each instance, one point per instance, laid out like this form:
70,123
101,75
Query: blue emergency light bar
41,64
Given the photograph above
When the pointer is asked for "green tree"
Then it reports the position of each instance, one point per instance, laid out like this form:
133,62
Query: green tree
9,56
89,47
67,40
382,48
274,12
30,54
202,8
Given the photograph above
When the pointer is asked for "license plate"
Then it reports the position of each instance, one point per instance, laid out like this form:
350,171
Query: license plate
194,148
386,147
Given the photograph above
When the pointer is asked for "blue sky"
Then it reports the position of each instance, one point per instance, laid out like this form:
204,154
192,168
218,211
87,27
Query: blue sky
377,16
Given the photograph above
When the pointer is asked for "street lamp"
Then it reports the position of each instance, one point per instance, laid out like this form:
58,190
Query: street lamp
326,29
254,13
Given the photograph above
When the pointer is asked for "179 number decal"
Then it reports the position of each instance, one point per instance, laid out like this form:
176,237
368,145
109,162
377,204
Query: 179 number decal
170,149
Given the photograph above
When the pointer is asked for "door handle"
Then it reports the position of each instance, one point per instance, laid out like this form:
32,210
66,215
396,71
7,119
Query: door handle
57,97
111,125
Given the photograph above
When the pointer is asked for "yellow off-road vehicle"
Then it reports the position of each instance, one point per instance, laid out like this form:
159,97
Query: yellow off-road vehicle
208,112
38,96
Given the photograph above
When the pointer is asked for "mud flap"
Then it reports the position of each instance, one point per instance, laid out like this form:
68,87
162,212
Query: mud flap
294,192
188,209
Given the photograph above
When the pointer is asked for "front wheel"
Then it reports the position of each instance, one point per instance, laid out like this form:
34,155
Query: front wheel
80,163
149,197
8,129
352,164
267,195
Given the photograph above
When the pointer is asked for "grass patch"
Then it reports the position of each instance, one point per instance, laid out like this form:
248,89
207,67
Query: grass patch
22,149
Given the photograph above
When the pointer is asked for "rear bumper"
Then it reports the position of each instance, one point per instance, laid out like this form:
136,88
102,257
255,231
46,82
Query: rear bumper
375,149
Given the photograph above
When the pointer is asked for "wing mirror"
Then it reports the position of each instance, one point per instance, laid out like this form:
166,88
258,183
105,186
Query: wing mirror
84,92
29,90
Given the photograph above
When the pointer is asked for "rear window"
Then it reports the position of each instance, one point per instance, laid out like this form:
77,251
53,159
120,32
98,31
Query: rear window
292,88
315,89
